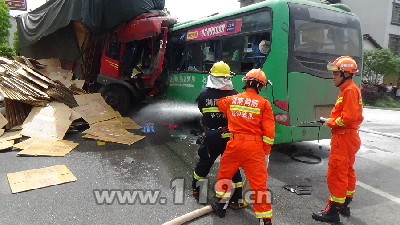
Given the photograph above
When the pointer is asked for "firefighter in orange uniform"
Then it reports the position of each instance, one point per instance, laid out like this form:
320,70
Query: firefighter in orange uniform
344,121
251,122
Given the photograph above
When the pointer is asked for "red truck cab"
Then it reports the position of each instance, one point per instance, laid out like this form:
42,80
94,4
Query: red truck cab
132,59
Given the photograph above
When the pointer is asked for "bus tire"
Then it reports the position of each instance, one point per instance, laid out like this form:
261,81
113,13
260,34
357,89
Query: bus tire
117,96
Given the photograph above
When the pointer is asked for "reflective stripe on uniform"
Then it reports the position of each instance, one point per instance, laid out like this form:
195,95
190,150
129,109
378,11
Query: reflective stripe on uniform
338,200
210,110
238,184
267,214
245,109
360,101
350,192
339,122
199,178
268,140
226,135
339,100
222,194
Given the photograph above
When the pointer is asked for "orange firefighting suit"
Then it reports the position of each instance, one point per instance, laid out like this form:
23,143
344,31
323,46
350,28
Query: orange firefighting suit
251,122
344,121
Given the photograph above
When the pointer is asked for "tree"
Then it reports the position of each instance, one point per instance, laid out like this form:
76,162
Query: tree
16,43
4,22
379,62
5,49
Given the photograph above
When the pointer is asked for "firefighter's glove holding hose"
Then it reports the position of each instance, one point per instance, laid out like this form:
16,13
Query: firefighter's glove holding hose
323,121
223,130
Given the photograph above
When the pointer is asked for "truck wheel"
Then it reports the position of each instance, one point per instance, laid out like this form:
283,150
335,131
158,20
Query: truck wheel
117,97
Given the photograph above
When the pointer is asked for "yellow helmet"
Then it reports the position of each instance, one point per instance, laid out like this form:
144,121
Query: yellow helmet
220,69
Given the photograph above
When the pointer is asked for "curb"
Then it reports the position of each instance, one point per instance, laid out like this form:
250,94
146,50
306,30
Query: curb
373,107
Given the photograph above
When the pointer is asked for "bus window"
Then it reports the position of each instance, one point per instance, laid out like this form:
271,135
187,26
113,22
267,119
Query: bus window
319,35
201,56
211,53
313,33
310,36
232,50
255,50
194,58
325,38
257,22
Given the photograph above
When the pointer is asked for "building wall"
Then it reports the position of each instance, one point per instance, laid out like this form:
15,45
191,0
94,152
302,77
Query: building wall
367,45
391,29
244,3
375,17
12,31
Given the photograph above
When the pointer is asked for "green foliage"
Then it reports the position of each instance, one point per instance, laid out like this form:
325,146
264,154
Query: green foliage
4,23
16,43
6,50
380,62
387,102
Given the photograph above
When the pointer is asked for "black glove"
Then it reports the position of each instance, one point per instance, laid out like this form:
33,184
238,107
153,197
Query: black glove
223,129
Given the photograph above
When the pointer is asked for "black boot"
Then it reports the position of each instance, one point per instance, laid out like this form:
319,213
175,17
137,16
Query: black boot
219,208
346,209
265,221
330,214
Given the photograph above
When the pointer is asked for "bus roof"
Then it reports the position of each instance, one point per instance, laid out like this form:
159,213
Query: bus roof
266,3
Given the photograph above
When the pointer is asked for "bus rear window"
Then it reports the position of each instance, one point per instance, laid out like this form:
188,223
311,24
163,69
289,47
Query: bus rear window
318,30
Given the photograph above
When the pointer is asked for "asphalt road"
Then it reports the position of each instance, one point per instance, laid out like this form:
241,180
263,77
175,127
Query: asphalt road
163,163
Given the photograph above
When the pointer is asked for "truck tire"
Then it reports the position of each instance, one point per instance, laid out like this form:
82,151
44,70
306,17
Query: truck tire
118,97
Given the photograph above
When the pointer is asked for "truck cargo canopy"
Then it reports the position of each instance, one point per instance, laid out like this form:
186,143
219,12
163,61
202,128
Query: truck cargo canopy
51,20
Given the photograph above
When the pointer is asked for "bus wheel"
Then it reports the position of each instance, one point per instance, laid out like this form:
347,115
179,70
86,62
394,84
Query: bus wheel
117,97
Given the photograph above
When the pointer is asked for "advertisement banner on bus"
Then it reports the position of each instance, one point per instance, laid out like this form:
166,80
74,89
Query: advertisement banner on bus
215,30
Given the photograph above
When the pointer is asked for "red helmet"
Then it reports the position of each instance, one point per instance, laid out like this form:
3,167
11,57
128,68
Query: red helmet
257,75
343,63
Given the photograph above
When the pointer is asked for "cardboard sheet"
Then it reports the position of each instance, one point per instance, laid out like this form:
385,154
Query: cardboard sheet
116,135
50,121
49,148
6,144
10,136
75,116
39,178
118,122
78,83
3,121
26,143
54,71
93,108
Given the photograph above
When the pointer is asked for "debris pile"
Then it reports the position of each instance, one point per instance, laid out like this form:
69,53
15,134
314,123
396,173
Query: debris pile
23,82
42,101
105,123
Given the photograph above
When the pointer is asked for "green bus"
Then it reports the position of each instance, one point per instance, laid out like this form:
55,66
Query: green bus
291,40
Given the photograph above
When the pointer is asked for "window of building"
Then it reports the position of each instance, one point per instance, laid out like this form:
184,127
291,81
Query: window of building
394,44
396,14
